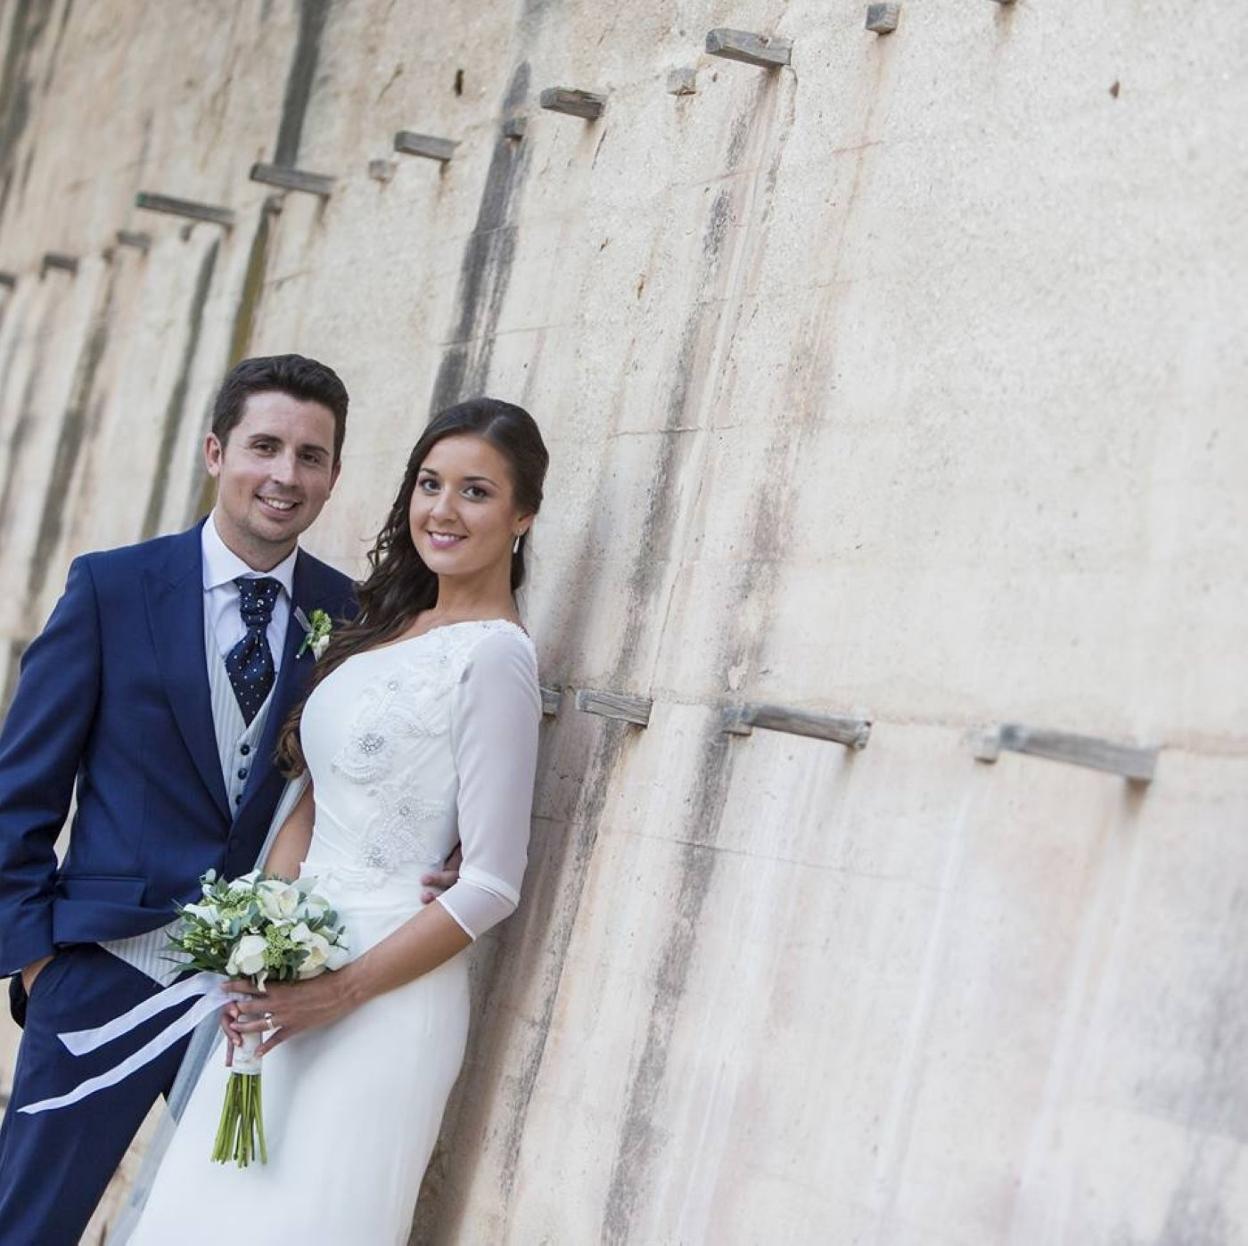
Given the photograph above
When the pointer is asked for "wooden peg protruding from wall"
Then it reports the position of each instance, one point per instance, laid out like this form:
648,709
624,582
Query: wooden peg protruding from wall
278,175
852,731
59,262
382,170
134,238
1132,761
185,207
615,705
883,18
750,49
412,144
551,698
585,104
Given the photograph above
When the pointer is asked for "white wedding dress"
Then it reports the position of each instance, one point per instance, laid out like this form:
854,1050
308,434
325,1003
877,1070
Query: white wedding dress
410,747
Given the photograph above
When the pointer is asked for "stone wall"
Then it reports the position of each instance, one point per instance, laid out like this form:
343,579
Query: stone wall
907,381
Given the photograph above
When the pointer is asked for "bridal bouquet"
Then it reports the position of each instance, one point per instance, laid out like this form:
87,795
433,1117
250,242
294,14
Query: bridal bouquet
258,928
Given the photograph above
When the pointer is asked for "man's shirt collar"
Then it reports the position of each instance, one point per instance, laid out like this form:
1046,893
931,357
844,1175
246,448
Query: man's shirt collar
223,566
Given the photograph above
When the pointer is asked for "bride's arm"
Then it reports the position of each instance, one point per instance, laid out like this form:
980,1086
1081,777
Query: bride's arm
494,737
290,844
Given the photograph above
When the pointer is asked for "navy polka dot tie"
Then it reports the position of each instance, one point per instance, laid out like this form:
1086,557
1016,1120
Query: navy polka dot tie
250,663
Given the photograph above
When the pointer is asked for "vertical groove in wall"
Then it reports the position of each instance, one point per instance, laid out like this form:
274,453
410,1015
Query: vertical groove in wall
300,79
485,271
56,496
25,418
29,20
240,345
730,257
54,58
176,405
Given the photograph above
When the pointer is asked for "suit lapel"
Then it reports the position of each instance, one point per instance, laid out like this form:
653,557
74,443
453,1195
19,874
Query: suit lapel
175,602
292,679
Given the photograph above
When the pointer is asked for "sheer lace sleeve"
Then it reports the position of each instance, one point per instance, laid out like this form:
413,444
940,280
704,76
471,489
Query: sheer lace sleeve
496,711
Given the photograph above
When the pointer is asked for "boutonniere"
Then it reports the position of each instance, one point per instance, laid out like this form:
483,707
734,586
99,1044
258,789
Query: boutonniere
316,631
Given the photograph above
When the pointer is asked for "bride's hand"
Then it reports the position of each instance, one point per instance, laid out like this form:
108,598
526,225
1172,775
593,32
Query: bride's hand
291,1007
229,1027
437,881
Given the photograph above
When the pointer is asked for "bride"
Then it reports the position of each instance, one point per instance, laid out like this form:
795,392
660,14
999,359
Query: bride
420,729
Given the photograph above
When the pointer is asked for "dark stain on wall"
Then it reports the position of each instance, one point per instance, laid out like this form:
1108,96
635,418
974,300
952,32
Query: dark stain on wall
505,1059
25,416
16,649
240,340
300,80
30,19
485,271
176,405
50,72
640,1137
56,496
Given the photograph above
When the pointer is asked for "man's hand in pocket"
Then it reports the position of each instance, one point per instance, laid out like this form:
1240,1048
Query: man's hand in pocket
31,972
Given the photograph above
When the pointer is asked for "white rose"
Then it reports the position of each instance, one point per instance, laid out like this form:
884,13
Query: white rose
247,957
278,900
318,647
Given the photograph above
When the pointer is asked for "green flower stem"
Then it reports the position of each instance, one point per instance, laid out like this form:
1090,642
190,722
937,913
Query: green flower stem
264,1153
240,1134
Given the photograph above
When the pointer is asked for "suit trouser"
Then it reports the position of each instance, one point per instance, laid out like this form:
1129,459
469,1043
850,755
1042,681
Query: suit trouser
54,1166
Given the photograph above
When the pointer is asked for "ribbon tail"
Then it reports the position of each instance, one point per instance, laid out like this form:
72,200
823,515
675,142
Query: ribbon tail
80,1041
184,1024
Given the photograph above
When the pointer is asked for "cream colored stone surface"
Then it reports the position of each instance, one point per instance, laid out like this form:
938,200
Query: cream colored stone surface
910,381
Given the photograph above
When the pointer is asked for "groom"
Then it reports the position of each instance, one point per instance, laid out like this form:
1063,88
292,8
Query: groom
155,695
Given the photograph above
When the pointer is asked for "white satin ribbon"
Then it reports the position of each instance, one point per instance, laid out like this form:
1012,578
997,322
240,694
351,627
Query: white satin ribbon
210,986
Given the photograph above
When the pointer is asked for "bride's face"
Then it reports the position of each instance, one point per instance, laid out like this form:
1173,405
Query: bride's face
463,515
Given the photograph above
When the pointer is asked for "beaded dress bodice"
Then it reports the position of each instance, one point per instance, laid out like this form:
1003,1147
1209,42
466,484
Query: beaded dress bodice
380,735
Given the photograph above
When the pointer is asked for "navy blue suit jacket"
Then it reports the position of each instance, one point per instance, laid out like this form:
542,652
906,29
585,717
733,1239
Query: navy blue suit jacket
113,698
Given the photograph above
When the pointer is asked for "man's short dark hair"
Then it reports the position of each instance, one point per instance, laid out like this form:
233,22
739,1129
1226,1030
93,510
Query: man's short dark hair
301,378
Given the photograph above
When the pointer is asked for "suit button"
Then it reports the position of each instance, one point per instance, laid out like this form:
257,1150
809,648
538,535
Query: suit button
244,749
242,774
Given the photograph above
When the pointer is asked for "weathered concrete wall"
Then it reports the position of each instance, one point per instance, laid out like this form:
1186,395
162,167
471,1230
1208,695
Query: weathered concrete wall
909,379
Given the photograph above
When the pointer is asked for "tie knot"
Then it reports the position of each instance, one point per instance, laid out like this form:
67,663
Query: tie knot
256,598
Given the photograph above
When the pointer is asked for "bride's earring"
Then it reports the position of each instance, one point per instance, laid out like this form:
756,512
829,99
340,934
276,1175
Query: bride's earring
515,545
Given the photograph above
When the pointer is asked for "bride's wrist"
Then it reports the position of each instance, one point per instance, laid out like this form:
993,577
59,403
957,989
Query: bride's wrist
355,982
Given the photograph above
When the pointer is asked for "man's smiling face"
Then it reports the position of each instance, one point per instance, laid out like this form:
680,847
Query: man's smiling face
274,473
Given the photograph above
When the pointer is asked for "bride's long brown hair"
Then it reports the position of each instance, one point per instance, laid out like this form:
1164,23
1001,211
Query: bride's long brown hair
399,585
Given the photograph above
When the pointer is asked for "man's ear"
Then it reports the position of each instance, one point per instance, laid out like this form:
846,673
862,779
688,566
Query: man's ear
214,451
333,475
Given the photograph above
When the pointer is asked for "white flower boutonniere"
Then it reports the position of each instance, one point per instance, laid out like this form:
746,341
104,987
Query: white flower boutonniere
316,631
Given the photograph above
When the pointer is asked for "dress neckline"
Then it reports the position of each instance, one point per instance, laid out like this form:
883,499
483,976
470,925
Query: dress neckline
446,627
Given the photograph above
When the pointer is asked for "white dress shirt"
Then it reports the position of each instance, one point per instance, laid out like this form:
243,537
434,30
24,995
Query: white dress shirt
221,568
